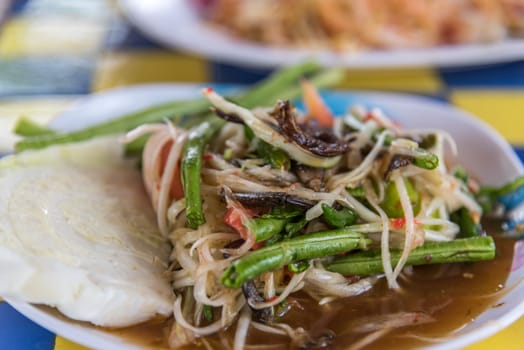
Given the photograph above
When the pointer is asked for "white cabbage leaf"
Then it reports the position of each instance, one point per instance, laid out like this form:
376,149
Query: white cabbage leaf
77,232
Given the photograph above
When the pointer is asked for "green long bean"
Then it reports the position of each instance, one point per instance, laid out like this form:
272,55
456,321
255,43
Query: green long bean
277,158
468,226
391,203
191,166
488,196
321,79
505,189
171,110
265,228
305,247
272,86
269,89
282,84
338,218
425,159
460,250
26,127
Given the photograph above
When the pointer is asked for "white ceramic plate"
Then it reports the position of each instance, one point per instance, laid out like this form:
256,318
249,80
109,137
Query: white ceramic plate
481,150
176,24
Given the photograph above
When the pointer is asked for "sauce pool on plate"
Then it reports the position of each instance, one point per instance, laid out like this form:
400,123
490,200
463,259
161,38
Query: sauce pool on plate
453,294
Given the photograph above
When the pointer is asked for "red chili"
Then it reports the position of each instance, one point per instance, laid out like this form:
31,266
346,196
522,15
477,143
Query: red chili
398,223
273,298
207,156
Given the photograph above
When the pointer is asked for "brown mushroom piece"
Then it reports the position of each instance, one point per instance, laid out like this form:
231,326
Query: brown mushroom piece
230,117
396,162
264,315
319,141
271,199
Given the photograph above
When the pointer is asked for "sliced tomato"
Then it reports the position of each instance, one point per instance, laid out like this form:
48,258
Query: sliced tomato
176,190
233,219
315,105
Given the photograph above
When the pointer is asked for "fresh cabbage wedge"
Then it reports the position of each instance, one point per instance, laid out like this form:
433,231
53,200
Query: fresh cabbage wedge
77,232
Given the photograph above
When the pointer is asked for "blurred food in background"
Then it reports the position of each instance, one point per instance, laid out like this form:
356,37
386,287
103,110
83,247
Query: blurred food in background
354,25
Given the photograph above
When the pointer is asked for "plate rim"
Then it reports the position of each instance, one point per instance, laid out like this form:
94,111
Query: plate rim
117,343
68,328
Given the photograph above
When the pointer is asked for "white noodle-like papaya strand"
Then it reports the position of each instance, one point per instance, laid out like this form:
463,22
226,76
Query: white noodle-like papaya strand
182,282
239,184
185,234
243,249
217,162
338,127
212,236
384,247
268,329
202,278
383,120
443,134
316,210
436,236
173,159
269,285
371,227
197,314
200,331
266,133
242,327
369,338
448,230
200,292
359,208
151,163
217,266
141,130
204,253
449,189
293,285
468,201
333,284
184,259
179,337
298,335
384,238
250,240
409,217
435,205
231,310
381,186
175,209
392,320
363,169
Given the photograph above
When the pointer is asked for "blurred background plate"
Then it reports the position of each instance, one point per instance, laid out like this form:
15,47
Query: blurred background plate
175,23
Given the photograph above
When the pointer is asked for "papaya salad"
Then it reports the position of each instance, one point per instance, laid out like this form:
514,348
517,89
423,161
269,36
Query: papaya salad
292,228
262,203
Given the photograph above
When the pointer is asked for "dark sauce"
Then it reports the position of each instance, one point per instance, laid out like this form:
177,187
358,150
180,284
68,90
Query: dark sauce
453,294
